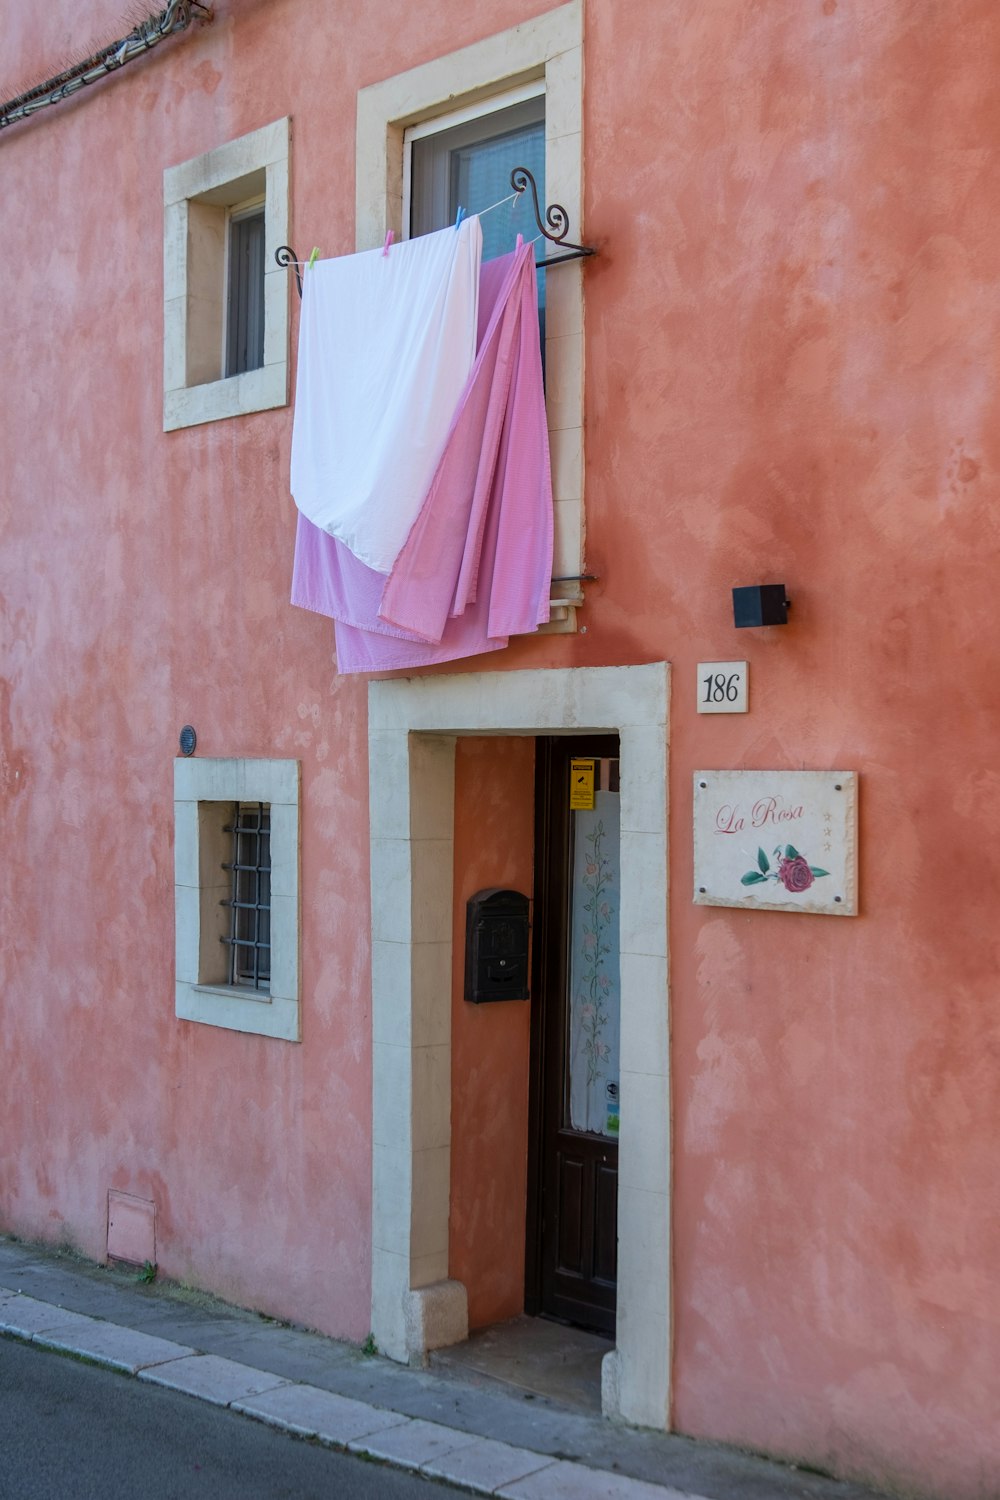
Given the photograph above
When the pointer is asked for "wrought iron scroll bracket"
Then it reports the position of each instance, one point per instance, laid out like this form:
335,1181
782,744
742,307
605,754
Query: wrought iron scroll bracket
556,218
285,256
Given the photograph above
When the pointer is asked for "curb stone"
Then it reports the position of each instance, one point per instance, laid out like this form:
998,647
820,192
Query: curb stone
483,1465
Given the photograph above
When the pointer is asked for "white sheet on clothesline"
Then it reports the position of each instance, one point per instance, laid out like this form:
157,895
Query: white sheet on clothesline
386,345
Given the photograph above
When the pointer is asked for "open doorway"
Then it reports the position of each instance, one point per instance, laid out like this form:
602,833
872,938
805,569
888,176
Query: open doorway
571,1260
533,1222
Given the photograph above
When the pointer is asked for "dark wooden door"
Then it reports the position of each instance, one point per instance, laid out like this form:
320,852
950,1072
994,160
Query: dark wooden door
573,1179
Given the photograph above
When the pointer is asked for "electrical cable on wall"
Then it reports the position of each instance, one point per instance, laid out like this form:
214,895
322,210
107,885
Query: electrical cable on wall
176,16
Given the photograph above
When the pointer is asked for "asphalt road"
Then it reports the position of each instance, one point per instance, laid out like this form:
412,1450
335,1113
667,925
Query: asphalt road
72,1431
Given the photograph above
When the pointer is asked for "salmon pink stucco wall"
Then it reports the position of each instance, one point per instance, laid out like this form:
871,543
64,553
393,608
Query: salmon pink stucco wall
494,839
793,377
792,348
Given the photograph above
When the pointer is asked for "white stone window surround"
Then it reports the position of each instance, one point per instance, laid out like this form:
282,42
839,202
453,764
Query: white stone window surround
548,48
204,793
197,197
413,724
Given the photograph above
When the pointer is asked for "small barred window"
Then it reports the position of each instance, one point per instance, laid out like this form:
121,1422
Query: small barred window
249,903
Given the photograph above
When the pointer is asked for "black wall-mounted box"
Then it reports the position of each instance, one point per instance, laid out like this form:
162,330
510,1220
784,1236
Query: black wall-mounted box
496,946
761,604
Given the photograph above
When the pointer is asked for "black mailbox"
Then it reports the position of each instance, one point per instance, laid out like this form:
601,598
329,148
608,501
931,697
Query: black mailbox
496,946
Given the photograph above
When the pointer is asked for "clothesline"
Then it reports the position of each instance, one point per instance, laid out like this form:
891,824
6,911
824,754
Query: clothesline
499,204
305,264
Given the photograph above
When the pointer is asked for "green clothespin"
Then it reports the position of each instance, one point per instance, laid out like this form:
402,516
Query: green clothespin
312,258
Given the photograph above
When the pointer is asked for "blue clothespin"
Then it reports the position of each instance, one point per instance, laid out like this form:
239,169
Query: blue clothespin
461,215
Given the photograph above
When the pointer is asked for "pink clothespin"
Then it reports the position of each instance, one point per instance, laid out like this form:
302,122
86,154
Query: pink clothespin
388,242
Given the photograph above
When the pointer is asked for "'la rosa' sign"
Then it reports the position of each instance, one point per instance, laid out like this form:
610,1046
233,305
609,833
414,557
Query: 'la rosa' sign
776,840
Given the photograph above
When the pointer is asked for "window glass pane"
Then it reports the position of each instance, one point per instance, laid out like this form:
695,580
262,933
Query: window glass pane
245,301
470,165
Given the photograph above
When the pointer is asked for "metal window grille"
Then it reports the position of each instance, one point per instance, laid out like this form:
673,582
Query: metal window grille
249,938
245,310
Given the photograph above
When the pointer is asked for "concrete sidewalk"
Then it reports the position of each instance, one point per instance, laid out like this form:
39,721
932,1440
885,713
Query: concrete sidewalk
479,1435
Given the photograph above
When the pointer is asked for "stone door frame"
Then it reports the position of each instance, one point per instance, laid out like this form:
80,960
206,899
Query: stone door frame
412,728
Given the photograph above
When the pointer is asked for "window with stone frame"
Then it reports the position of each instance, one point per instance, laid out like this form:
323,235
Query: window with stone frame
236,894
225,309
541,58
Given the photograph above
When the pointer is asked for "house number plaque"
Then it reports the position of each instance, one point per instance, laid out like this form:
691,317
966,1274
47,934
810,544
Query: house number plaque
723,687
776,840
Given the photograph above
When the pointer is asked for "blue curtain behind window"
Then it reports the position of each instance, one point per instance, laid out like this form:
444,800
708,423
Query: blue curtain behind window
480,175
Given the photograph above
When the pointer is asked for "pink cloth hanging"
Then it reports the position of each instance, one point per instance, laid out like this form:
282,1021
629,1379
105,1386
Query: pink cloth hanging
477,563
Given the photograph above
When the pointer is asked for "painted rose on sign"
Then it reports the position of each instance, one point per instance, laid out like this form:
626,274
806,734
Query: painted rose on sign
791,869
796,874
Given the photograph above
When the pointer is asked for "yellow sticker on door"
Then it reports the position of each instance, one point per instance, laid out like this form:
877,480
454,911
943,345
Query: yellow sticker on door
581,785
